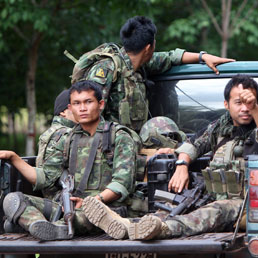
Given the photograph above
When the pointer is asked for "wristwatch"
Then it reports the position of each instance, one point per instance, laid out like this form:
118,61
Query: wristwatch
180,162
200,57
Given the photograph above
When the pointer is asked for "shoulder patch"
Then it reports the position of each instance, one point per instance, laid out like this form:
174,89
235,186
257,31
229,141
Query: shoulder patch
100,72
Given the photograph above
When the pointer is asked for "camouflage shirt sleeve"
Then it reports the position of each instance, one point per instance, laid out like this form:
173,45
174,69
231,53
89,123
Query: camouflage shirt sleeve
200,146
102,73
163,61
123,175
52,167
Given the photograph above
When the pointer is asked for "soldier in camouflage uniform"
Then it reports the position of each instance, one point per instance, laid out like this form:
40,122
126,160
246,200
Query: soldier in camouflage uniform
230,138
111,178
62,122
122,72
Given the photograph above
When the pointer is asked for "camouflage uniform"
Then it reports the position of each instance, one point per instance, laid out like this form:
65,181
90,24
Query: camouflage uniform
119,176
114,92
218,215
49,139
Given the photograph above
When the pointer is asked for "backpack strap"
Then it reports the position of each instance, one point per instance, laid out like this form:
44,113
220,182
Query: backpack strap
93,151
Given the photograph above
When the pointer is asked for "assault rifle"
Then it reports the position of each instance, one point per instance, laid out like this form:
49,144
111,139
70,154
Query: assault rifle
186,201
67,183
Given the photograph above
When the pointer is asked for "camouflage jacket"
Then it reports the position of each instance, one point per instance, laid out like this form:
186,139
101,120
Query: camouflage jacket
49,139
118,177
129,109
221,128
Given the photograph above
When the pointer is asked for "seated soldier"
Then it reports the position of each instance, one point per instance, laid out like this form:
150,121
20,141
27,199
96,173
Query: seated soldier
101,158
230,138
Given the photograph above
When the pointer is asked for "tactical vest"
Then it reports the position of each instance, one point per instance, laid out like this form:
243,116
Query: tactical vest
225,175
56,129
103,160
133,108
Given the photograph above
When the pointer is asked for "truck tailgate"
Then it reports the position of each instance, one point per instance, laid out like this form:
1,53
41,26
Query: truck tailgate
102,244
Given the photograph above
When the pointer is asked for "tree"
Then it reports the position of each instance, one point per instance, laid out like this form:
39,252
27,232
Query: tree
229,24
40,30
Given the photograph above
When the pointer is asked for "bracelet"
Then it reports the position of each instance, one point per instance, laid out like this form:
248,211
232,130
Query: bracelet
101,197
200,57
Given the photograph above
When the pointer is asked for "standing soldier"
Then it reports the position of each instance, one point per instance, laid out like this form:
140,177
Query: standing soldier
122,71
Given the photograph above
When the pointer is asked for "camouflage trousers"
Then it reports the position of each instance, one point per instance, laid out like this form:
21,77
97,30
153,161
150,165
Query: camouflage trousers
217,216
34,211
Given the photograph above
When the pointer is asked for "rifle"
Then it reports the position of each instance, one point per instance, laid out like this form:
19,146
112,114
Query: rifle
186,201
67,183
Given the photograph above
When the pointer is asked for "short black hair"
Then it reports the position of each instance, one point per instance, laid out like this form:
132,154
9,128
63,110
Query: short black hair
86,85
137,33
245,80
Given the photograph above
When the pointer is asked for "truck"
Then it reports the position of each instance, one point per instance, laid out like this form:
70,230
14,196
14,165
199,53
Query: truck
191,95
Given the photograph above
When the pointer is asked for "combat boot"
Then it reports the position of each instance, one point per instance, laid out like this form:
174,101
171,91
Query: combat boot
10,227
147,228
103,217
46,230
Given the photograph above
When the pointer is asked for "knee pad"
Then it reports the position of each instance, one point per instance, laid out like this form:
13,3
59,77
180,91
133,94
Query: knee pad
14,205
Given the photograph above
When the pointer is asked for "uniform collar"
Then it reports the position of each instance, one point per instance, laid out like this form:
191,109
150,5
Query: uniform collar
126,58
63,121
100,127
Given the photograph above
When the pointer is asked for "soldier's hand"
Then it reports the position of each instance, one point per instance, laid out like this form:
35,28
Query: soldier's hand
78,202
164,151
179,180
4,154
248,97
212,61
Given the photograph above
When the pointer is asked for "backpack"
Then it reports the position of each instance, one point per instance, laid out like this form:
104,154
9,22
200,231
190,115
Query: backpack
133,108
87,60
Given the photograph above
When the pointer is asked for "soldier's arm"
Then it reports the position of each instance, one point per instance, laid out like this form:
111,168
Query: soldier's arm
102,73
24,168
123,175
163,61
188,152
210,60
51,170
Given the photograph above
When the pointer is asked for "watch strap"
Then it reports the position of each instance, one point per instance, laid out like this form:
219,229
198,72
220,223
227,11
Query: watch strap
200,57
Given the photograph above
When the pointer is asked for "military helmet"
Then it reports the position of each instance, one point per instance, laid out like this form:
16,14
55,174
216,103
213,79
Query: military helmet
161,132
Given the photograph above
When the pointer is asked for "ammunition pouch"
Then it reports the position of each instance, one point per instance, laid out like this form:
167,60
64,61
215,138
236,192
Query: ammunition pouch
224,181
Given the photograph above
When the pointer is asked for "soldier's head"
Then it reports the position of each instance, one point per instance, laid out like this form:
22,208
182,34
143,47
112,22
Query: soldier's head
233,94
61,106
138,34
161,132
86,103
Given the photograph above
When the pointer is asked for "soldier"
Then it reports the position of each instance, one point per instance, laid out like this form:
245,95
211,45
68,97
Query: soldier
109,178
230,138
63,120
122,72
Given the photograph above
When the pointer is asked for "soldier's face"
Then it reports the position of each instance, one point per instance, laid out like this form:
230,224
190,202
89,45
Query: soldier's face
86,108
239,111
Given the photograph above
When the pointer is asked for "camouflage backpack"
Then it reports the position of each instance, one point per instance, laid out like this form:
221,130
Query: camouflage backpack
45,139
161,132
133,108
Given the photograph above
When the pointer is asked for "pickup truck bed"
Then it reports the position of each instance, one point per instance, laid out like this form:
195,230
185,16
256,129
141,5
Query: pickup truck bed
210,243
